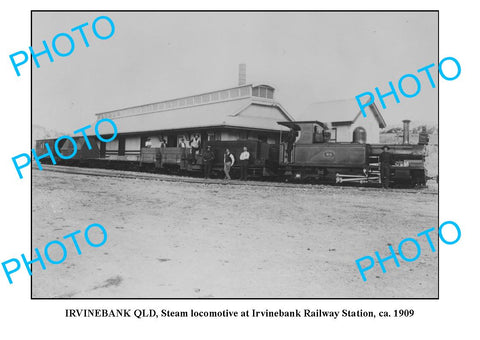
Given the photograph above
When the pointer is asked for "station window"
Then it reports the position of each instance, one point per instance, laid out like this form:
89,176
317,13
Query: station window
263,92
244,91
270,93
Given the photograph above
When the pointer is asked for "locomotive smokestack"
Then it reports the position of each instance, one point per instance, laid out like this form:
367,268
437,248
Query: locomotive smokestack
406,131
242,74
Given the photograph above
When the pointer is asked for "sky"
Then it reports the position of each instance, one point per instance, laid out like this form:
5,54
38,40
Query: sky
307,56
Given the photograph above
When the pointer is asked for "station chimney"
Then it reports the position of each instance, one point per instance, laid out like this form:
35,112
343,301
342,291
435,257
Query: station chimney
406,131
242,74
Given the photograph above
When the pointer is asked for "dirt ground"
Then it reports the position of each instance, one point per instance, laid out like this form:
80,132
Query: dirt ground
195,240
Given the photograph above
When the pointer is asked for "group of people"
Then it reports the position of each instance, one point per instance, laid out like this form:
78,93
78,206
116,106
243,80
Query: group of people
228,162
162,141
195,142
386,159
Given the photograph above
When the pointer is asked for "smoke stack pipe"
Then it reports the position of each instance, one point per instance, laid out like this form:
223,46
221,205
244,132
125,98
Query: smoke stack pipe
242,74
406,131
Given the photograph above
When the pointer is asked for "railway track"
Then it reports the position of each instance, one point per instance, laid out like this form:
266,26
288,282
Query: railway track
162,177
184,179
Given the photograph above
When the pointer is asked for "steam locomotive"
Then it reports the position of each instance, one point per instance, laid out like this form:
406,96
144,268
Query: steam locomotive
309,157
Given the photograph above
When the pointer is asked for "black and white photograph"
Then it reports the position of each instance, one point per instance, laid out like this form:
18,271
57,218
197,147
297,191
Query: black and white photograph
235,155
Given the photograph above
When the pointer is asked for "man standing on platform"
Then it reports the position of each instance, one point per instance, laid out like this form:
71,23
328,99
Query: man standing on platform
208,157
244,160
228,161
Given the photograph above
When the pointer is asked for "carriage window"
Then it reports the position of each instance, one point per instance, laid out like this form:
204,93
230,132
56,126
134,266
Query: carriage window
212,136
172,141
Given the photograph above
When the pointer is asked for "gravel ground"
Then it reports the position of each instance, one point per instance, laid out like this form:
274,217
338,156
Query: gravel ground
196,240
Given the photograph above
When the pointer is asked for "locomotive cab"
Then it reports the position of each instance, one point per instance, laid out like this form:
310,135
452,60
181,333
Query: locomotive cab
311,154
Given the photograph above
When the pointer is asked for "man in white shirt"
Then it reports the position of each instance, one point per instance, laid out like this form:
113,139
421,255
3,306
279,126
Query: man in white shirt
195,144
244,160
182,143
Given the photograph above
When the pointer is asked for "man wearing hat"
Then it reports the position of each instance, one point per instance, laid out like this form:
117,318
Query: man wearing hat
386,161
208,157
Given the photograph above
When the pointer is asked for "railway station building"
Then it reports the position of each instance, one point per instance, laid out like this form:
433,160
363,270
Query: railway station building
243,112
345,121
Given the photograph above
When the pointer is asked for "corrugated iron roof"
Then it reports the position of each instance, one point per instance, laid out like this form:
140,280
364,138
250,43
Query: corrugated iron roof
241,113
